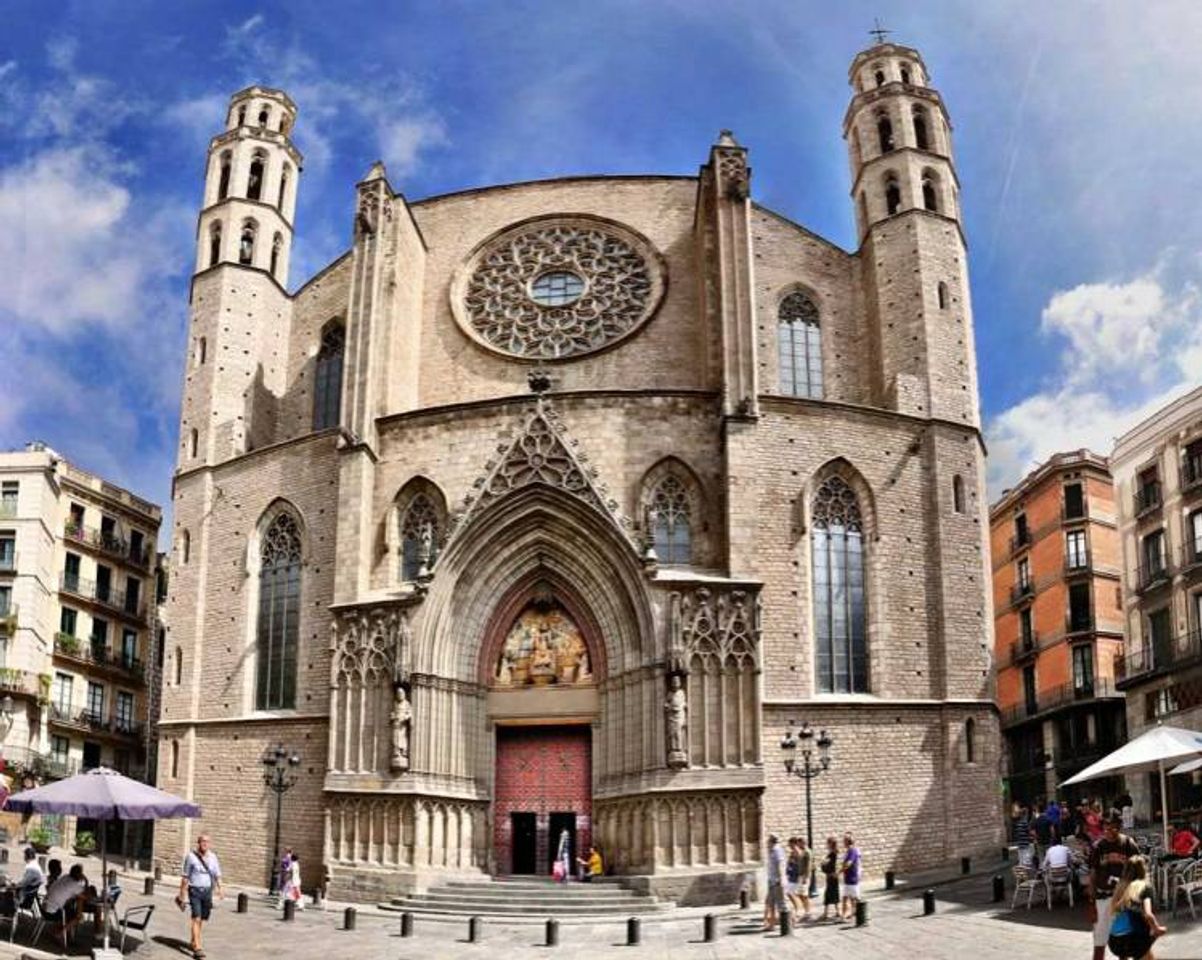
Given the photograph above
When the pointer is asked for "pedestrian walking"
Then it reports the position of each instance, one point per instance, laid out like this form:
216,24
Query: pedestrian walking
774,900
1133,926
830,873
291,888
284,870
1107,862
200,882
850,871
797,885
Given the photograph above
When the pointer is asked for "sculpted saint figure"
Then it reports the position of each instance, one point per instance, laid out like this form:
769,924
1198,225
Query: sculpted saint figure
676,707
400,718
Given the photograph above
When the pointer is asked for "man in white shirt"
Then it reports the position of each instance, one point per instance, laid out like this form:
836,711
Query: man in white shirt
33,878
201,880
67,892
1058,856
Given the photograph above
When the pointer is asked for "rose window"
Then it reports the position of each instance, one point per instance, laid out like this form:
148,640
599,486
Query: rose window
558,288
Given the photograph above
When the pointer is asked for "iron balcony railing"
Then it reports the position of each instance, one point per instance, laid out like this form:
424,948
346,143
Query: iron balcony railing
108,543
1147,498
22,682
1077,563
1081,622
44,766
1191,554
1152,574
1024,647
1191,470
1079,512
98,653
90,720
1158,655
130,605
1020,539
1020,591
1058,697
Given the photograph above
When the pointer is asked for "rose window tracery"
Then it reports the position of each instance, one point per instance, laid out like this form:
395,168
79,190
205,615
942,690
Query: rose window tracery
558,288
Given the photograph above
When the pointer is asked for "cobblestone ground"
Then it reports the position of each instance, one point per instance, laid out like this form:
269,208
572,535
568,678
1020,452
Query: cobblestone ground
966,925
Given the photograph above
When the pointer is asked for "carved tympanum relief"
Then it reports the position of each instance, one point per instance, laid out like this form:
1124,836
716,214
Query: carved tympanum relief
543,646
557,288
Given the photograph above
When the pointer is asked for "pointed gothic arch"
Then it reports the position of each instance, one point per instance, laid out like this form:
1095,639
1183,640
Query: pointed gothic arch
417,529
672,512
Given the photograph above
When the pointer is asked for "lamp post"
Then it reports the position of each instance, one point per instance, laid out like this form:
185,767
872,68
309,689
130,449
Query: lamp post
804,741
278,764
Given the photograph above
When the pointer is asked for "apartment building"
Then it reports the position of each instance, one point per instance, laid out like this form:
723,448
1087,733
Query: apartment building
1158,476
1058,623
77,617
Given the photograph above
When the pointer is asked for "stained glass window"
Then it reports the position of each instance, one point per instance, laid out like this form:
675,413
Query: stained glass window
669,517
840,621
799,340
279,615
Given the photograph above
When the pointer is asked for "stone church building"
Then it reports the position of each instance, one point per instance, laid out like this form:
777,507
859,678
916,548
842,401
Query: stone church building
541,513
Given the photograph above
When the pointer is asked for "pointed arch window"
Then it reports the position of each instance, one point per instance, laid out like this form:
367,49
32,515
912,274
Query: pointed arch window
837,566
879,76
246,243
930,191
799,343
420,535
670,518
922,138
327,383
223,183
214,244
884,132
905,75
254,179
892,195
279,614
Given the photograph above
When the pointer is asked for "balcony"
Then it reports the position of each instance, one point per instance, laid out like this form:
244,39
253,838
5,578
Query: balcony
85,721
1191,557
1152,576
1191,471
1078,564
1156,657
43,766
1024,648
8,563
22,683
1058,698
1021,591
109,597
1147,499
1079,622
1075,514
100,657
1020,540
108,543
9,614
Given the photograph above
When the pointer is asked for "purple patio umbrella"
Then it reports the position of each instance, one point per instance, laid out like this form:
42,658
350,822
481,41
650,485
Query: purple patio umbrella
102,794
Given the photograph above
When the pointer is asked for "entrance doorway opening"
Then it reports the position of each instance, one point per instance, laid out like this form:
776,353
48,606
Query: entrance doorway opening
543,790
524,827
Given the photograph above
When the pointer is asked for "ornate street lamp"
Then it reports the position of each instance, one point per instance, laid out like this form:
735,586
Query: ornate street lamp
804,742
278,764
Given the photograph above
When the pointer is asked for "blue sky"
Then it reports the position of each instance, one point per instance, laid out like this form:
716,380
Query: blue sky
1076,134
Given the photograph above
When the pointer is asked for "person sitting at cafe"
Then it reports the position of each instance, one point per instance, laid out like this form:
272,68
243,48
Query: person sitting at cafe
32,879
67,894
54,870
1183,842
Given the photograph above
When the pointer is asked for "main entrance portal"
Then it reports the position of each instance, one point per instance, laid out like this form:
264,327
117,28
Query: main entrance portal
543,796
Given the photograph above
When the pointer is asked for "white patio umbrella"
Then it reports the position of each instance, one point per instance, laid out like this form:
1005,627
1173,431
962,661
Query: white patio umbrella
1149,751
1188,767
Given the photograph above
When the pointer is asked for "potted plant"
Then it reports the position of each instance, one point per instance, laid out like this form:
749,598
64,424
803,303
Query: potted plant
40,839
85,843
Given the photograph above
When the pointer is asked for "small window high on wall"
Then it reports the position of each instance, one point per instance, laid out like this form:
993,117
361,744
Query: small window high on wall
327,382
799,344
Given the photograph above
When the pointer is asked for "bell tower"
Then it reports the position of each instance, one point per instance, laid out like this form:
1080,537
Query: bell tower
907,204
250,186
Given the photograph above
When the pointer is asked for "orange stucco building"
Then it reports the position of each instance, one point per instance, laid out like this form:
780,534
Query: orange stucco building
1058,623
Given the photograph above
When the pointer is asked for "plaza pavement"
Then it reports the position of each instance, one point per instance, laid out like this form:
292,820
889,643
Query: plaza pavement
966,926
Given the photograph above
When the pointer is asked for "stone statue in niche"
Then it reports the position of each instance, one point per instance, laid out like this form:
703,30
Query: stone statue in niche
676,709
543,647
400,718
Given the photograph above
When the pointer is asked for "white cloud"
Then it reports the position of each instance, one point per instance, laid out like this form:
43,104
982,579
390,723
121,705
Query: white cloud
7,67
403,140
1129,348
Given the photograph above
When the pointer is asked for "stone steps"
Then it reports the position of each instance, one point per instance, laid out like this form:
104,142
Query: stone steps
528,897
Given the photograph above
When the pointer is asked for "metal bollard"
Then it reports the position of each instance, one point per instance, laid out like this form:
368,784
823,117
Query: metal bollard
861,913
158,872
349,917
744,899
552,933
148,887
710,928
289,909
406,924
786,923
473,930
890,879
634,932
928,902
318,896
965,865
999,888
243,903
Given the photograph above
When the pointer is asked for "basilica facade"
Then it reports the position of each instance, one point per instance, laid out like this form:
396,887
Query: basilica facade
539,516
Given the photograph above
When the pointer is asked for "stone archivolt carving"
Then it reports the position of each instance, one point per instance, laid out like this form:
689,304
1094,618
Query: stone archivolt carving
370,646
541,453
543,646
604,281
